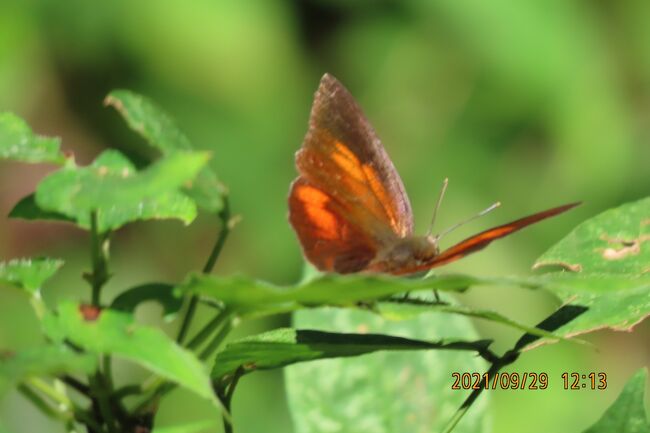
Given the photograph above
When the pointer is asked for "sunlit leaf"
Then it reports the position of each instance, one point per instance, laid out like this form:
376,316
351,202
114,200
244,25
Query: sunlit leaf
161,293
157,127
112,187
247,295
384,392
116,333
627,414
28,274
19,143
286,346
618,302
41,361
616,241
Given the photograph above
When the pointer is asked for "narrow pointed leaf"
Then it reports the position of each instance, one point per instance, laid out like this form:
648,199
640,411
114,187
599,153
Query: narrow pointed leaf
28,274
286,346
116,333
627,414
160,131
19,143
248,295
41,361
112,187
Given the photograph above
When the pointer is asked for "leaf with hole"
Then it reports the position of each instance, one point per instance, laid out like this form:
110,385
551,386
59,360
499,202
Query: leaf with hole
116,333
616,241
160,131
19,143
118,193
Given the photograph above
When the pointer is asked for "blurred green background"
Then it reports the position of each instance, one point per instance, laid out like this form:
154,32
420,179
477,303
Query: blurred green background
532,103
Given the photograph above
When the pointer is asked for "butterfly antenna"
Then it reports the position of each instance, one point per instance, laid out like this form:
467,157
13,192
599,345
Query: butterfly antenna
480,214
435,211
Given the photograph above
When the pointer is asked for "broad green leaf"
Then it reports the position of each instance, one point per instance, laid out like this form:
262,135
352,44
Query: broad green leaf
247,295
286,346
116,333
185,428
616,241
384,392
112,187
28,274
618,302
157,127
19,143
627,414
27,209
162,293
41,361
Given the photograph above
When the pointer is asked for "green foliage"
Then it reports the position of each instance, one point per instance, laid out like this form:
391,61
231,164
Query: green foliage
19,143
28,274
46,360
155,126
118,193
286,346
627,414
386,391
116,333
381,349
614,242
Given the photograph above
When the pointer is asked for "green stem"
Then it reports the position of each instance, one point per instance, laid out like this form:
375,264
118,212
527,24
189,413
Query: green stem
224,216
103,402
99,254
49,391
209,329
219,337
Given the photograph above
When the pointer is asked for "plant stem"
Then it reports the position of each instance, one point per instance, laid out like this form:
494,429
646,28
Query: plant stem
39,402
208,329
49,391
76,384
219,337
99,254
224,216
97,387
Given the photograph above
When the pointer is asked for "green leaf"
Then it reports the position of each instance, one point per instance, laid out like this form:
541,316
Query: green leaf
157,127
616,241
286,346
627,414
250,296
28,274
384,392
618,302
116,333
162,293
112,187
19,143
41,361
408,308
27,209
185,428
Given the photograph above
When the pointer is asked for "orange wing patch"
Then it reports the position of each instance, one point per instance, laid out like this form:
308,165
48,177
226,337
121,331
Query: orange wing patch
329,241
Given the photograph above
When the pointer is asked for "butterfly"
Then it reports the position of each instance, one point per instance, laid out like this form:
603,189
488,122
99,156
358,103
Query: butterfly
348,205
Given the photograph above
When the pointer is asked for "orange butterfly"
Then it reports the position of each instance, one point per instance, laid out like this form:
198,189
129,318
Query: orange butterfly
348,205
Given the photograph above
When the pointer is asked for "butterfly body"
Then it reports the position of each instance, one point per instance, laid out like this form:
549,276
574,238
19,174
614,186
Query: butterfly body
348,205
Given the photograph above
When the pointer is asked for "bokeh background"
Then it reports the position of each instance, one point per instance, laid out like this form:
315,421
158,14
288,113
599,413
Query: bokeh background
532,103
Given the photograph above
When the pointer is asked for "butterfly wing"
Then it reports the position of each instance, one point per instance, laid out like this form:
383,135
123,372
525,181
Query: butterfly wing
483,239
343,159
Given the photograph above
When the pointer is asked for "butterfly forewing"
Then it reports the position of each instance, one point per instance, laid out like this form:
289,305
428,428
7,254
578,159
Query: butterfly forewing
343,159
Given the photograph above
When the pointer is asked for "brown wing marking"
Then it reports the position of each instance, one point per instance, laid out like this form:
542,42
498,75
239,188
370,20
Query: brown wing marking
328,240
341,154
483,239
